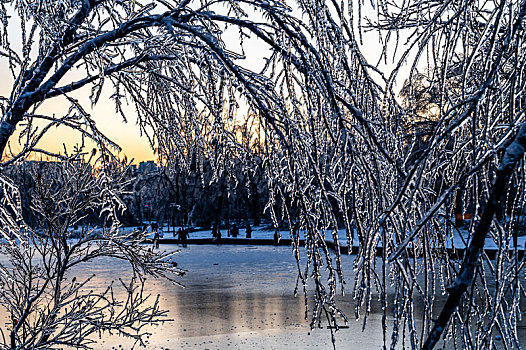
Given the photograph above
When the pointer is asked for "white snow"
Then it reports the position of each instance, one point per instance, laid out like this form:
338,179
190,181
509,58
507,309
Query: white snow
458,241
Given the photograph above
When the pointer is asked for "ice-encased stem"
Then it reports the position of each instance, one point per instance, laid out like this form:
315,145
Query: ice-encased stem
465,277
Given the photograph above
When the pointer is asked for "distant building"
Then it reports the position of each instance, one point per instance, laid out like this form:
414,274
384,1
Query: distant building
147,167
46,165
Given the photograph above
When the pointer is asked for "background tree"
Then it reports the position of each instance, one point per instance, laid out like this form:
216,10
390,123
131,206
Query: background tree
46,303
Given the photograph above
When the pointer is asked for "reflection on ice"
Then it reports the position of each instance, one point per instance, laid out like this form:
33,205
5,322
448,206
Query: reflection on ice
237,297
234,296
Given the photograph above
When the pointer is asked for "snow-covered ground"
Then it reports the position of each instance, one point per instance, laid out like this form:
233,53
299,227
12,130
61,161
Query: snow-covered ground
458,240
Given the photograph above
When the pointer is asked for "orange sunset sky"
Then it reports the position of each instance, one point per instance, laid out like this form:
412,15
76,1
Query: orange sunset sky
127,134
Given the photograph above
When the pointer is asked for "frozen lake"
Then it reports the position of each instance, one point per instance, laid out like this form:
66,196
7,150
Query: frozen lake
237,297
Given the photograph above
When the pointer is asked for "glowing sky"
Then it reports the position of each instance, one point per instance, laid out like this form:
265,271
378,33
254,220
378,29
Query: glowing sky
127,134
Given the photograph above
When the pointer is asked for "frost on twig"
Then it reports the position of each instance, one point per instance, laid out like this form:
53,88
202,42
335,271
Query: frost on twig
46,303
465,277
321,117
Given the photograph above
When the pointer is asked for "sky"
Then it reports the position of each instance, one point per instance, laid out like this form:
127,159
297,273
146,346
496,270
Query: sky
124,133
127,134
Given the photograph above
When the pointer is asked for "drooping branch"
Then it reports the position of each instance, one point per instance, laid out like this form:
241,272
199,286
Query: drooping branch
37,91
132,62
466,275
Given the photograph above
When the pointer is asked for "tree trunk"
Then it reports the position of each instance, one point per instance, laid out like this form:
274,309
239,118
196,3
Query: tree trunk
6,130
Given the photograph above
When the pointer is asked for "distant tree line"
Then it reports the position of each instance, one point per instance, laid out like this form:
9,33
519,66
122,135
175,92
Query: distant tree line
178,196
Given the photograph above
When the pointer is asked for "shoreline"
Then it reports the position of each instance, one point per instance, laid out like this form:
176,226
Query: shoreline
455,253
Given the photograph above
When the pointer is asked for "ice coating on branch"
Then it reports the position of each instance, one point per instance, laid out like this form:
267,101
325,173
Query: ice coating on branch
398,158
